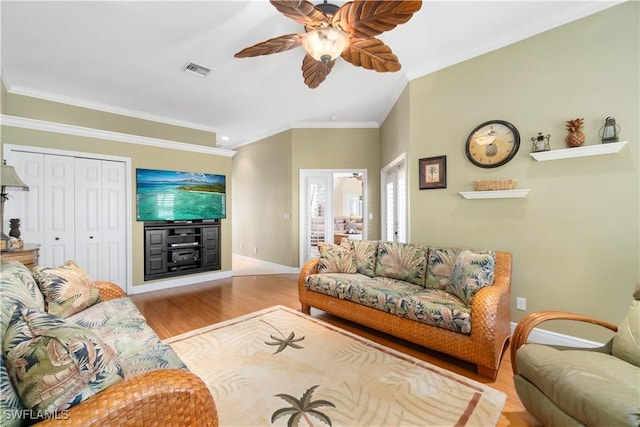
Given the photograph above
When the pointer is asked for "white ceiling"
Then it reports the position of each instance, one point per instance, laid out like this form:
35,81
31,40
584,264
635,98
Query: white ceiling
127,57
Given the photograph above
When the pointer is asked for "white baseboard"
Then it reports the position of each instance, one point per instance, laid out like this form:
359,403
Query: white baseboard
542,336
190,279
259,263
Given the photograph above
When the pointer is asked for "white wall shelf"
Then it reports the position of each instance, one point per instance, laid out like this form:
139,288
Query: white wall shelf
585,150
495,194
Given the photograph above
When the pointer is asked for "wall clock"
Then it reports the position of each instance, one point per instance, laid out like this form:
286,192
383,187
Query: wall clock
492,144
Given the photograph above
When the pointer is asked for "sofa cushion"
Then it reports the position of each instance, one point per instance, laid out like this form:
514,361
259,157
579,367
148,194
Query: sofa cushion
18,290
365,253
55,364
67,289
381,293
438,308
338,285
122,327
626,342
595,388
471,272
440,263
402,261
335,259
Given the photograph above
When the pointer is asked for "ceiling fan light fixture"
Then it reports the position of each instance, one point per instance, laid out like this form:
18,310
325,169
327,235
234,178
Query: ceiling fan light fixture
325,44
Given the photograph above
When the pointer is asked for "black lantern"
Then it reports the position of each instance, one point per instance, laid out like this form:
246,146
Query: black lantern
610,131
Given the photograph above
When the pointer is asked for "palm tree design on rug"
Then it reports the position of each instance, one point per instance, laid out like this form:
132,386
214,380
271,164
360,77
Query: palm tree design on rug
283,342
302,409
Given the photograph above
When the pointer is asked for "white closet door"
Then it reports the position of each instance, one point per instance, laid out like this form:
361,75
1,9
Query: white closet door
114,223
88,211
101,219
59,210
27,205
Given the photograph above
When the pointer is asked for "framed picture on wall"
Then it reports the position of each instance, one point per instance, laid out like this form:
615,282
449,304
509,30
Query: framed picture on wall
433,172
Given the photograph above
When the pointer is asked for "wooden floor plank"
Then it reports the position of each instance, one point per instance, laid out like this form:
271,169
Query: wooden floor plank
174,311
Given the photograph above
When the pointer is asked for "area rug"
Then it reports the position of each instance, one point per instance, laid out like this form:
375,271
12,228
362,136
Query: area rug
279,367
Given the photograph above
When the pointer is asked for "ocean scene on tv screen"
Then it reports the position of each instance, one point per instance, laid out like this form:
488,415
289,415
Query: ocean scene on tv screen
179,196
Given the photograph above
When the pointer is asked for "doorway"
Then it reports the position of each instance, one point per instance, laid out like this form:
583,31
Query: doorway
332,206
394,200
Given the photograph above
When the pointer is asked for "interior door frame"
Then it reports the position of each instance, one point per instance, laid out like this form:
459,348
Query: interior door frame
128,192
302,197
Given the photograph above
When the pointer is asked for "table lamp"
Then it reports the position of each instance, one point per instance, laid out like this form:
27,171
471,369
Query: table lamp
8,181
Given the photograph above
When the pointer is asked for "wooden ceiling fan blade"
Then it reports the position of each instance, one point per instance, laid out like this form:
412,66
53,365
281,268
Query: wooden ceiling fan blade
370,18
302,12
371,54
315,72
274,45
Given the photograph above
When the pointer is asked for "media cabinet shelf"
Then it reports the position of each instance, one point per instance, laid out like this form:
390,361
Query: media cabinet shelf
585,150
178,249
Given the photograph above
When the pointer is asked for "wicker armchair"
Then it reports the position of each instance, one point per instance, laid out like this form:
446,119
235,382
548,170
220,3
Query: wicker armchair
490,311
157,398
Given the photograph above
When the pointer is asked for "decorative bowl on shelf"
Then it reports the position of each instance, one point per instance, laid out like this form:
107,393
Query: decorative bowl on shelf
496,184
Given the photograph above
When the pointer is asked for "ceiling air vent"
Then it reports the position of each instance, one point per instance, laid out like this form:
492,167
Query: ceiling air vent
196,69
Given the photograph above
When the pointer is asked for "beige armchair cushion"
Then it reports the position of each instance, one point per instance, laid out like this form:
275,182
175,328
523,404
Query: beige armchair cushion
582,383
626,343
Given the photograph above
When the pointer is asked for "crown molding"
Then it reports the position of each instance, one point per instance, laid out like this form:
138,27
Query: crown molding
334,125
41,125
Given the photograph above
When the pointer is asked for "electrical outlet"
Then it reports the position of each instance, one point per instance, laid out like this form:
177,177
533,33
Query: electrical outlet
255,249
521,304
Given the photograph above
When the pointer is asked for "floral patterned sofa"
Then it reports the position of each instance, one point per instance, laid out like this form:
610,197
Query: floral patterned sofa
455,301
78,352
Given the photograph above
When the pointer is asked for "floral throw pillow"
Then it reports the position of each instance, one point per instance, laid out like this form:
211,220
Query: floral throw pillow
471,272
365,253
67,289
402,261
55,364
335,259
440,263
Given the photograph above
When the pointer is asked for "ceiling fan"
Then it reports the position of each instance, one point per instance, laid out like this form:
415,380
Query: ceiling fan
330,31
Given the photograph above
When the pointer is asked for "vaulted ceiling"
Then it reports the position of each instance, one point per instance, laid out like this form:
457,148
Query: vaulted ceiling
127,57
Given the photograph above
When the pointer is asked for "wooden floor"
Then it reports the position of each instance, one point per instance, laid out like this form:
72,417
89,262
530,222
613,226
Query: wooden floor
175,311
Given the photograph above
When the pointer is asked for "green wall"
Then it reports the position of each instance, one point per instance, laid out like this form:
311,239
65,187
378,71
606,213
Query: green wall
266,178
262,197
142,156
575,237
40,109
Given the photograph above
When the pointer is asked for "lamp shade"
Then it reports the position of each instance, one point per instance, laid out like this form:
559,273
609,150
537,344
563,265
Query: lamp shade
9,179
325,44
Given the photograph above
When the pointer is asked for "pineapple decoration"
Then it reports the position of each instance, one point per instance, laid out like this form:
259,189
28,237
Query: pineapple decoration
575,137
14,224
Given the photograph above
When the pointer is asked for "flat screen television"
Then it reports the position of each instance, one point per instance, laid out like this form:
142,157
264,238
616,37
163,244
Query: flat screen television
163,195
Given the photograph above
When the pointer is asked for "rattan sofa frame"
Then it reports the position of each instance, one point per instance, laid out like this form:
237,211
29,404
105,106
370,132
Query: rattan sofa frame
159,398
490,319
